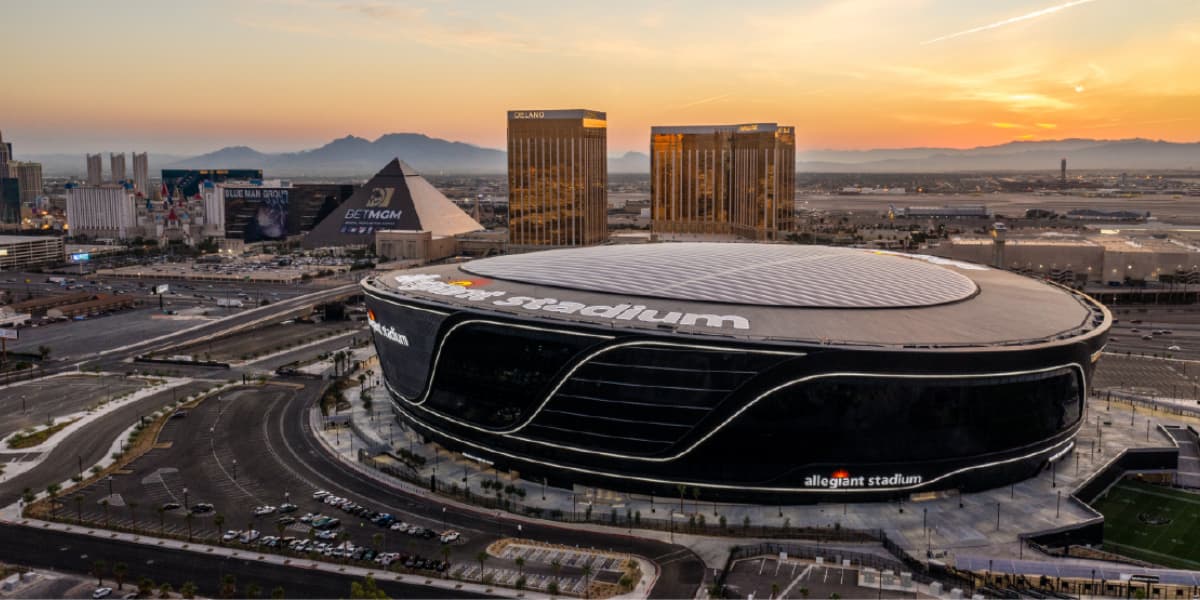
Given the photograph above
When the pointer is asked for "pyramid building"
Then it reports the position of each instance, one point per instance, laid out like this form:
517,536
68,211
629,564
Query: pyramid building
396,198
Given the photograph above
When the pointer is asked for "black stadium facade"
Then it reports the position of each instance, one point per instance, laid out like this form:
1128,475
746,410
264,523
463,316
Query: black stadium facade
750,371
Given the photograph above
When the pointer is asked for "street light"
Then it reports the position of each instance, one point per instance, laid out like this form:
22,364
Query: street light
185,497
110,492
235,469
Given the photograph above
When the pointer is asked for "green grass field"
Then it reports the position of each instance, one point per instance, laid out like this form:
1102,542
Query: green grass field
1152,523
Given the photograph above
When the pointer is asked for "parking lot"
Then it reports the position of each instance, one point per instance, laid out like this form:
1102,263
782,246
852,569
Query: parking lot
214,467
35,402
766,577
1149,376
265,340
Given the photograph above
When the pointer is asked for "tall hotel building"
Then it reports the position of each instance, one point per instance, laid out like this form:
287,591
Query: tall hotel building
557,177
95,169
723,180
141,174
117,163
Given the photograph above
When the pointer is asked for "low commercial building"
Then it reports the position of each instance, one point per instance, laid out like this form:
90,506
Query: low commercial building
19,251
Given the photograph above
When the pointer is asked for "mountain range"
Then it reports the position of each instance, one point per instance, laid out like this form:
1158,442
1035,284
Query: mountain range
355,156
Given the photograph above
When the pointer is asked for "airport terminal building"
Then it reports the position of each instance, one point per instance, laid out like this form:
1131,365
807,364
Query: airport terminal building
759,372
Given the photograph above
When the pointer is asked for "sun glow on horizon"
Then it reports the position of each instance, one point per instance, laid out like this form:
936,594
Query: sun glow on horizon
293,74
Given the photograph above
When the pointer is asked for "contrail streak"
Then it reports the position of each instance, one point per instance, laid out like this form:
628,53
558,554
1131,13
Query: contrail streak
704,101
1033,15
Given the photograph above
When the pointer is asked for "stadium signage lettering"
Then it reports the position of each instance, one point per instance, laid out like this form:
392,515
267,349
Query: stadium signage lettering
431,284
862,481
368,214
389,332
529,114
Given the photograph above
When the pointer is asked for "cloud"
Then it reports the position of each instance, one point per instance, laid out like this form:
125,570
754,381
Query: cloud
1025,17
1046,125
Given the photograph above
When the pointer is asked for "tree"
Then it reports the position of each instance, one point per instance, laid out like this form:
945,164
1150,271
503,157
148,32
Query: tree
746,523
552,588
362,382
774,590
145,587
79,508
587,579
99,570
253,590
278,593
120,570
481,557
446,556
219,521
366,590
162,520
188,590
52,491
43,352
228,586
104,505
377,541
188,519
520,562
133,515
682,491
164,590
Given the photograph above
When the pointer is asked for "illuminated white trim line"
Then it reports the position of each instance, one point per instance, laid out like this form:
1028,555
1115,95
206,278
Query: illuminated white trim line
1065,443
441,344
745,407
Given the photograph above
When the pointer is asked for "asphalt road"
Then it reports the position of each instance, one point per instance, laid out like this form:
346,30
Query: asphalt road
76,553
87,446
254,446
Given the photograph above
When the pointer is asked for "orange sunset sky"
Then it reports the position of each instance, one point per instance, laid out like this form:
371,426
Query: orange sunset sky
181,77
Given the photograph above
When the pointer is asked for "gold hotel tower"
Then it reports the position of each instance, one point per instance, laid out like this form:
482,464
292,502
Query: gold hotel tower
557,177
723,180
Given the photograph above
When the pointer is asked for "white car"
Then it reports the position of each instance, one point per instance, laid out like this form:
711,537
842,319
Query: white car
450,537
260,511
1174,348
250,536
317,495
230,535
102,592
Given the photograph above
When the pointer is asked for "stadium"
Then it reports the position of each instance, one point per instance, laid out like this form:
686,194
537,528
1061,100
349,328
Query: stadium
751,372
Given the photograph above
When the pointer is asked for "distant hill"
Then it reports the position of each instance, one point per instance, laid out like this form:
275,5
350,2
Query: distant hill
356,156
630,162
1081,154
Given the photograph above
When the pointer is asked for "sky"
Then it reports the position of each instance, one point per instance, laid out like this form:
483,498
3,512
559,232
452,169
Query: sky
190,77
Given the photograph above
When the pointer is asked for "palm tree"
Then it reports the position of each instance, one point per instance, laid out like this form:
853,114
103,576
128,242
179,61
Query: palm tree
556,566
278,593
188,519
696,498
79,507
133,515
587,581
682,490
481,557
188,590
279,527
228,586
52,491
774,590
219,521
378,541
446,557
253,590
104,503
164,590
520,562
162,520
119,571
362,382
99,568
145,587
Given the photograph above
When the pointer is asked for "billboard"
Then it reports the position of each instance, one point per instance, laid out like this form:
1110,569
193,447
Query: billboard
8,334
377,213
257,213
161,289
81,257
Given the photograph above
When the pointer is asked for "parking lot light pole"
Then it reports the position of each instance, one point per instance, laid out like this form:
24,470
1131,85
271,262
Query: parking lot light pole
185,497
235,469
110,492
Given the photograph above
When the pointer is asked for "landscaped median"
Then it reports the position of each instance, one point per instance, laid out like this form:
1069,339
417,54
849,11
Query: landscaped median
35,436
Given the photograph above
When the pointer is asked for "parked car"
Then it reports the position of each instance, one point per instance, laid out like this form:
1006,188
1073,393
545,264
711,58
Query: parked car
102,592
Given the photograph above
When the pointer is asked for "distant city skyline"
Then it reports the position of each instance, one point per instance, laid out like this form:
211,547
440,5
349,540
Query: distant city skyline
281,75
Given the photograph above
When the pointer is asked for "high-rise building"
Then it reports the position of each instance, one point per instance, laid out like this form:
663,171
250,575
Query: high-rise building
29,177
95,169
724,180
557,177
6,155
106,210
10,200
141,173
117,164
